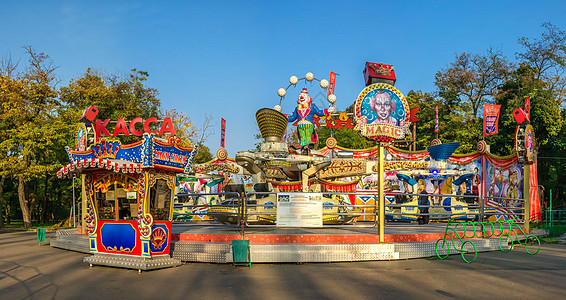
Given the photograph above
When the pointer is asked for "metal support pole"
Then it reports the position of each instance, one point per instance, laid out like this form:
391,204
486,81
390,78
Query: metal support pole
243,215
550,208
381,195
83,204
483,193
74,216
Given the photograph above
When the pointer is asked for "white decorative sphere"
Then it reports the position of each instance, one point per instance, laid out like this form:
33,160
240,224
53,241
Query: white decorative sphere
324,83
309,76
277,107
331,98
293,80
281,92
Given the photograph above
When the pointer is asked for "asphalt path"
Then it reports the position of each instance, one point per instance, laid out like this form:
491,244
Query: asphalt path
30,271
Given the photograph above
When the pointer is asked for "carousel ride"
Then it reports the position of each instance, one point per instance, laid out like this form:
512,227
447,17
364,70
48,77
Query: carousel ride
454,182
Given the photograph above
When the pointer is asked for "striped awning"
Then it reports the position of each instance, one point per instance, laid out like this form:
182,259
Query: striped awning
117,166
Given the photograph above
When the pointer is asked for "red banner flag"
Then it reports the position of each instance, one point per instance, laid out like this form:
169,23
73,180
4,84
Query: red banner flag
222,131
332,83
528,108
490,119
436,124
413,114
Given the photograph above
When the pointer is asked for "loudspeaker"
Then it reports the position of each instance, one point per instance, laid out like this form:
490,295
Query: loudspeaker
89,115
520,115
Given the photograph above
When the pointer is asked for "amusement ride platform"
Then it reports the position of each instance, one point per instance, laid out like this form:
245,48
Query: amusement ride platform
212,244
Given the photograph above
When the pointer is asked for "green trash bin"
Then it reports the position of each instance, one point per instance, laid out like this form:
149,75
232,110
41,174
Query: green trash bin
41,235
241,253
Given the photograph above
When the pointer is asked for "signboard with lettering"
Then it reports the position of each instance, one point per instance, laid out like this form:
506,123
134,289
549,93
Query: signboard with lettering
382,113
299,210
136,126
490,119
171,156
344,167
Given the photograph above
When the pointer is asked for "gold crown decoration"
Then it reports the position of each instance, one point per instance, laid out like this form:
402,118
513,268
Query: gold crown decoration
271,123
106,149
381,70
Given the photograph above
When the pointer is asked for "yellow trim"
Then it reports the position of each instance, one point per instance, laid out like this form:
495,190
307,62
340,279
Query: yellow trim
464,154
406,151
348,149
132,145
501,157
339,183
313,180
174,141
231,160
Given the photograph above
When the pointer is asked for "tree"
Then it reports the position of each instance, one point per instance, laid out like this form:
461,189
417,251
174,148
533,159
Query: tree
547,58
28,105
347,138
184,128
115,97
203,155
473,80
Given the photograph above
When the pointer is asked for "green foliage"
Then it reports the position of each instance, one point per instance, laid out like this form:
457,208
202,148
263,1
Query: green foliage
115,97
546,56
37,121
203,155
471,81
557,230
347,138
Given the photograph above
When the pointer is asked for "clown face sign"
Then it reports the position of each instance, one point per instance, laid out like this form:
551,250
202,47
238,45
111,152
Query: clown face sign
381,113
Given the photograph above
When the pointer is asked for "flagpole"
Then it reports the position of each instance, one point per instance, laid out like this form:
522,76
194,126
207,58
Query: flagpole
436,127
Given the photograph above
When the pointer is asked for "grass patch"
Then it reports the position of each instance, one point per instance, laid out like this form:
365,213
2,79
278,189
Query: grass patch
556,231
19,226
550,240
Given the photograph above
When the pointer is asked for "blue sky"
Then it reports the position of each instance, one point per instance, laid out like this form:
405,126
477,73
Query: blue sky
228,58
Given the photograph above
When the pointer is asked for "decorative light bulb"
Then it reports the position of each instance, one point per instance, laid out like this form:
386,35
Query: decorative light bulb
293,80
309,76
332,98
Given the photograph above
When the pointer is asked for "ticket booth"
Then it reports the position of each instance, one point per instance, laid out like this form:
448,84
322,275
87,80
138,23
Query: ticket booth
130,192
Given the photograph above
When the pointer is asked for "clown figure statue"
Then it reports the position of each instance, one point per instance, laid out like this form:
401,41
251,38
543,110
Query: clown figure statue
305,113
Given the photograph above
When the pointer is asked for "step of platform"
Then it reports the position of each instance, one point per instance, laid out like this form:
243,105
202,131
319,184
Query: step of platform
298,253
427,249
201,251
73,242
132,262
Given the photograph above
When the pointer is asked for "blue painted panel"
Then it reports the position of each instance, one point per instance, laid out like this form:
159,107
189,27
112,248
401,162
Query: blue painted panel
93,244
145,244
118,237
